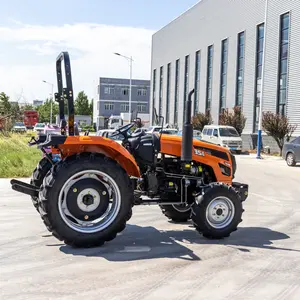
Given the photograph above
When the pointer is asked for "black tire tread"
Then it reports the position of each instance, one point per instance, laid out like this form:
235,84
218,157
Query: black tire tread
200,224
38,175
46,212
172,214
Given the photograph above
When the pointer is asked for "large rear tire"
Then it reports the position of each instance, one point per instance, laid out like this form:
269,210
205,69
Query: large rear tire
219,212
176,213
38,175
86,200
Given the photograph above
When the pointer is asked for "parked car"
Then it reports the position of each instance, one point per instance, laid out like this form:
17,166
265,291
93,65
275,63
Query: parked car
291,152
225,136
39,128
19,127
196,134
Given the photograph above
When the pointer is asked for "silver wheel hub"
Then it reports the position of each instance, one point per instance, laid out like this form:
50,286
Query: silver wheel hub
88,200
220,212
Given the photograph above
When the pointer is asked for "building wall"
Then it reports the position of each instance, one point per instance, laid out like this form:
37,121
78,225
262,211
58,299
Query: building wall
111,91
208,23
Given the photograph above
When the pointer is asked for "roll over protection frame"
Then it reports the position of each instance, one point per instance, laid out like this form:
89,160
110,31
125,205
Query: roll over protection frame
65,93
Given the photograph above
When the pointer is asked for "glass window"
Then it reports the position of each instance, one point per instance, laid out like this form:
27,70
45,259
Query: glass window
215,133
240,69
296,141
209,77
209,131
153,95
283,63
259,56
228,132
177,70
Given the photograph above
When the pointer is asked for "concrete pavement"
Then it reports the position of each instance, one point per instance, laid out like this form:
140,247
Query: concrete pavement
155,259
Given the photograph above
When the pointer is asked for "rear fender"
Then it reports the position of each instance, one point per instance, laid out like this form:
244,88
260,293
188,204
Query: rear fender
101,145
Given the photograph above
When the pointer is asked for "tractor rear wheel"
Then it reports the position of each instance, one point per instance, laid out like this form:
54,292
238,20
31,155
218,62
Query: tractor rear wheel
176,213
42,168
86,200
218,213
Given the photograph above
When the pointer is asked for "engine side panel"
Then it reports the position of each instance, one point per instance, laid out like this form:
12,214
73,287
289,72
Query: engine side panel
205,153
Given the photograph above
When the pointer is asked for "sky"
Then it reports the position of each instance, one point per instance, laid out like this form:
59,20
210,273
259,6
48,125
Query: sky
34,32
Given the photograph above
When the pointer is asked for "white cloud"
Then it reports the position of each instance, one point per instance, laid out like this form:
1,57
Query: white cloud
91,48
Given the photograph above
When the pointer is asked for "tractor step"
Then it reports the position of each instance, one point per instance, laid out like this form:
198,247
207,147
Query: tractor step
24,188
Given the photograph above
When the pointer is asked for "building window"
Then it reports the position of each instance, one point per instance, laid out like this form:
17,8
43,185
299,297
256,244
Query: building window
109,90
240,69
223,75
168,93
197,80
177,72
141,108
258,73
186,79
153,95
283,64
98,105
161,78
125,91
109,106
142,92
124,107
209,78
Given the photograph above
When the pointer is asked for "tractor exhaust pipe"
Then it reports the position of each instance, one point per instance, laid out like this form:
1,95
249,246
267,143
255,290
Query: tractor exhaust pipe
187,131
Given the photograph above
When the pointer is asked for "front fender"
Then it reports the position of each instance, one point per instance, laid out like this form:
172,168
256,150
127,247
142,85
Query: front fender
98,144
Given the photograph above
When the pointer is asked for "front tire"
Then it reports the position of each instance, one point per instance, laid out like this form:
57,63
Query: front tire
290,160
176,213
219,212
76,197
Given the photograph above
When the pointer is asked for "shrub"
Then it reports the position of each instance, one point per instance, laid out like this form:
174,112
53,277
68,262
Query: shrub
234,118
278,127
201,119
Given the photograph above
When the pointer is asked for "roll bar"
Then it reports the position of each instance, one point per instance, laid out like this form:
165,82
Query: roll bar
65,93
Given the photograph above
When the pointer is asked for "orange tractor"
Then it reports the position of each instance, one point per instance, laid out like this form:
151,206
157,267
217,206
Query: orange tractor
86,197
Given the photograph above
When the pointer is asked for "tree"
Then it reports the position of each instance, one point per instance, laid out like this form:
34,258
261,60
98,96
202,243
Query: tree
233,118
278,127
200,120
82,105
5,105
28,107
44,111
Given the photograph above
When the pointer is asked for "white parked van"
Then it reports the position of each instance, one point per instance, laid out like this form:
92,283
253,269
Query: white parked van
225,136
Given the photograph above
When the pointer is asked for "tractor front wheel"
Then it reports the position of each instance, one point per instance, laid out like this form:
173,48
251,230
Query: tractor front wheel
176,213
218,212
86,200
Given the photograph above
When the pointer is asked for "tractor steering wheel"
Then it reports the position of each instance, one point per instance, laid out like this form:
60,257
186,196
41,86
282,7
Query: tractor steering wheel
123,130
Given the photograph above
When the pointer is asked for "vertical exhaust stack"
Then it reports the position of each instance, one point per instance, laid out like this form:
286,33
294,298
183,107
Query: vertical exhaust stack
187,131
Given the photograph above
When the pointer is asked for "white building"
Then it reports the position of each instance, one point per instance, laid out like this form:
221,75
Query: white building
216,47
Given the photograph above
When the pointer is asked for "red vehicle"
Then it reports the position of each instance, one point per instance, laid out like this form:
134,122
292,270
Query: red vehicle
31,117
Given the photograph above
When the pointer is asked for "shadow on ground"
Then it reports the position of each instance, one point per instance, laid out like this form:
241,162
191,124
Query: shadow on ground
138,243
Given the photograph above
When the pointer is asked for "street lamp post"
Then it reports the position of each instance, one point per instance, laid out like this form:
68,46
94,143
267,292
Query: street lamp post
52,98
130,79
259,132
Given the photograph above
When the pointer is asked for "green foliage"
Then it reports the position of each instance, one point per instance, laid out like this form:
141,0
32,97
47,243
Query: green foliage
201,119
29,107
235,119
82,105
278,127
44,111
17,159
5,105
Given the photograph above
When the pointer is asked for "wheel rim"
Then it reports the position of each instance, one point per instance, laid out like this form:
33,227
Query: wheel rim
181,207
220,212
88,200
290,159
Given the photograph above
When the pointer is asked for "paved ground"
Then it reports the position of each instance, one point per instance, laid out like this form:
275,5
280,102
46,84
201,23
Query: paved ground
156,260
